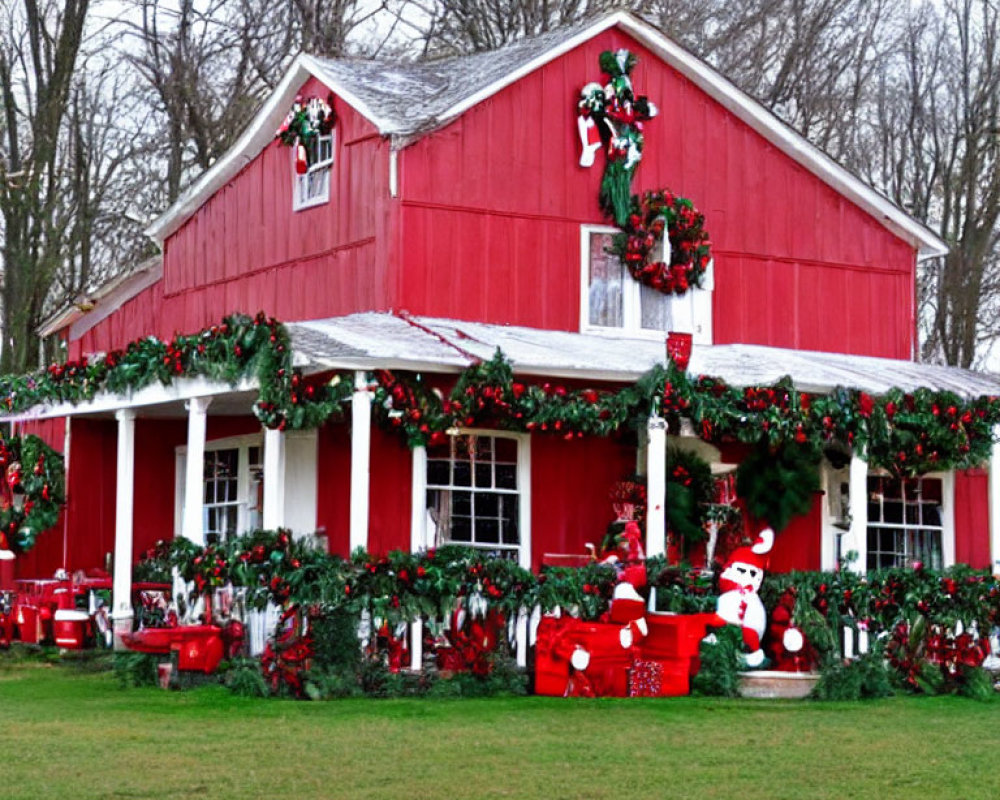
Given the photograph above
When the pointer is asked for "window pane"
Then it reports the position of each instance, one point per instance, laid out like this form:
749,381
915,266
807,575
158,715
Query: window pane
487,531
463,473
484,475
655,309
506,476
606,283
437,473
461,530
487,505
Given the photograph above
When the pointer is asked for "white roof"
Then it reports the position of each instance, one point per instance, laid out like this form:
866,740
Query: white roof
407,100
398,341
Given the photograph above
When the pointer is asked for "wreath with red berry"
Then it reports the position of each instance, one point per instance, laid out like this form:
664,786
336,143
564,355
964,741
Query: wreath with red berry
672,271
32,491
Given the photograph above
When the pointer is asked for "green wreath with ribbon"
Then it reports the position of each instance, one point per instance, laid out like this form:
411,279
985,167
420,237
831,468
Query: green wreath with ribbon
32,492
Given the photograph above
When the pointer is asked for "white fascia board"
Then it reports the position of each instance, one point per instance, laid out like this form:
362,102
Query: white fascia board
156,394
114,298
258,134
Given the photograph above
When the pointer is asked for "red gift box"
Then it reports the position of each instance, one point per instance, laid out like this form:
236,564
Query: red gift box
659,678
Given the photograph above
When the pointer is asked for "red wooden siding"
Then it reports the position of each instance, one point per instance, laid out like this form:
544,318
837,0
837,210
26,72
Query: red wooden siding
570,485
492,208
972,514
798,545
389,487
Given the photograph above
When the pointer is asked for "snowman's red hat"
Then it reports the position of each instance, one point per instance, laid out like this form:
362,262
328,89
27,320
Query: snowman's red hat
756,555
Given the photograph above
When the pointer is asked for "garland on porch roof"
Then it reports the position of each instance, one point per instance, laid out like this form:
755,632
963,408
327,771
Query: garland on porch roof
906,433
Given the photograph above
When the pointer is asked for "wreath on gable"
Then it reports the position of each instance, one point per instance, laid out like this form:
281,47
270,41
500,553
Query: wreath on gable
611,117
32,491
305,121
638,245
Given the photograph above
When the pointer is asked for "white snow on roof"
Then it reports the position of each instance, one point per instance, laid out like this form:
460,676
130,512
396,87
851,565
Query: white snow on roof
396,341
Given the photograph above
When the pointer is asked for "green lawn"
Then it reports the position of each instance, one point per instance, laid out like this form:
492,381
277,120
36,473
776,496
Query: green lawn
70,734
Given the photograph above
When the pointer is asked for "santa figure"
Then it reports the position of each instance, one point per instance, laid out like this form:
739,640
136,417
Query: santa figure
739,599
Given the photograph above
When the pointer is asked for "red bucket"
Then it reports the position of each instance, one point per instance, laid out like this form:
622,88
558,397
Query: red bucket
679,348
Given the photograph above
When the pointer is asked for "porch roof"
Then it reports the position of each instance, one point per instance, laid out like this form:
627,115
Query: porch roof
400,341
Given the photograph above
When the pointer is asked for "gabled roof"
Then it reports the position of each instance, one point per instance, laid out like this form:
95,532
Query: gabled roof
405,101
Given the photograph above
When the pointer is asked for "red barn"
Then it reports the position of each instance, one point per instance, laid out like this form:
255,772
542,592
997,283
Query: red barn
444,216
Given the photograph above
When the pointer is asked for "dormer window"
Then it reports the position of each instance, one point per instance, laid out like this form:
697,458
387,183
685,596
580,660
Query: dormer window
311,187
612,301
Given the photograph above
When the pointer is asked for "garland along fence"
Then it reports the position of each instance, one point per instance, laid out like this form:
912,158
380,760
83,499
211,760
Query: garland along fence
927,628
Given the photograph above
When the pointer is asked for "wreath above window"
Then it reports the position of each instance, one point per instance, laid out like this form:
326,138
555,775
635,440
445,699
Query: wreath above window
671,269
611,117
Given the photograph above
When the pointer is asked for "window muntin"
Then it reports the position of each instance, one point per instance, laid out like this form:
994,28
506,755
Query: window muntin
473,497
313,187
905,522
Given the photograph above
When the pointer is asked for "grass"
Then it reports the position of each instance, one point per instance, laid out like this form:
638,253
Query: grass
72,733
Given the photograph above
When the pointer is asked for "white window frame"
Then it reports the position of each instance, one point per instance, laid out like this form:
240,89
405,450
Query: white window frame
690,312
244,485
947,516
300,183
421,535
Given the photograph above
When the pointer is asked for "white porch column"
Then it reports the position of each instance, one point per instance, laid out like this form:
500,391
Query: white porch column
418,542
656,486
274,479
361,433
121,603
857,536
193,527
994,496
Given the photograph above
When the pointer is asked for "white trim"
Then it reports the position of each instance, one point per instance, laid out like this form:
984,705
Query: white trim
92,307
298,181
418,500
393,173
153,395
124,505
192,525
274,479
831,480
301,481
947,515
856,538
524,504
656,486
361,433
260,132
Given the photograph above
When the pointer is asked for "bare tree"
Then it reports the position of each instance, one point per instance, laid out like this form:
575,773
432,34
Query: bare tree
39,46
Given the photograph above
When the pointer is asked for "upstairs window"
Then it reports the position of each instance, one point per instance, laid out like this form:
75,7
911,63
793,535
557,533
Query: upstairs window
613,301
312,187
